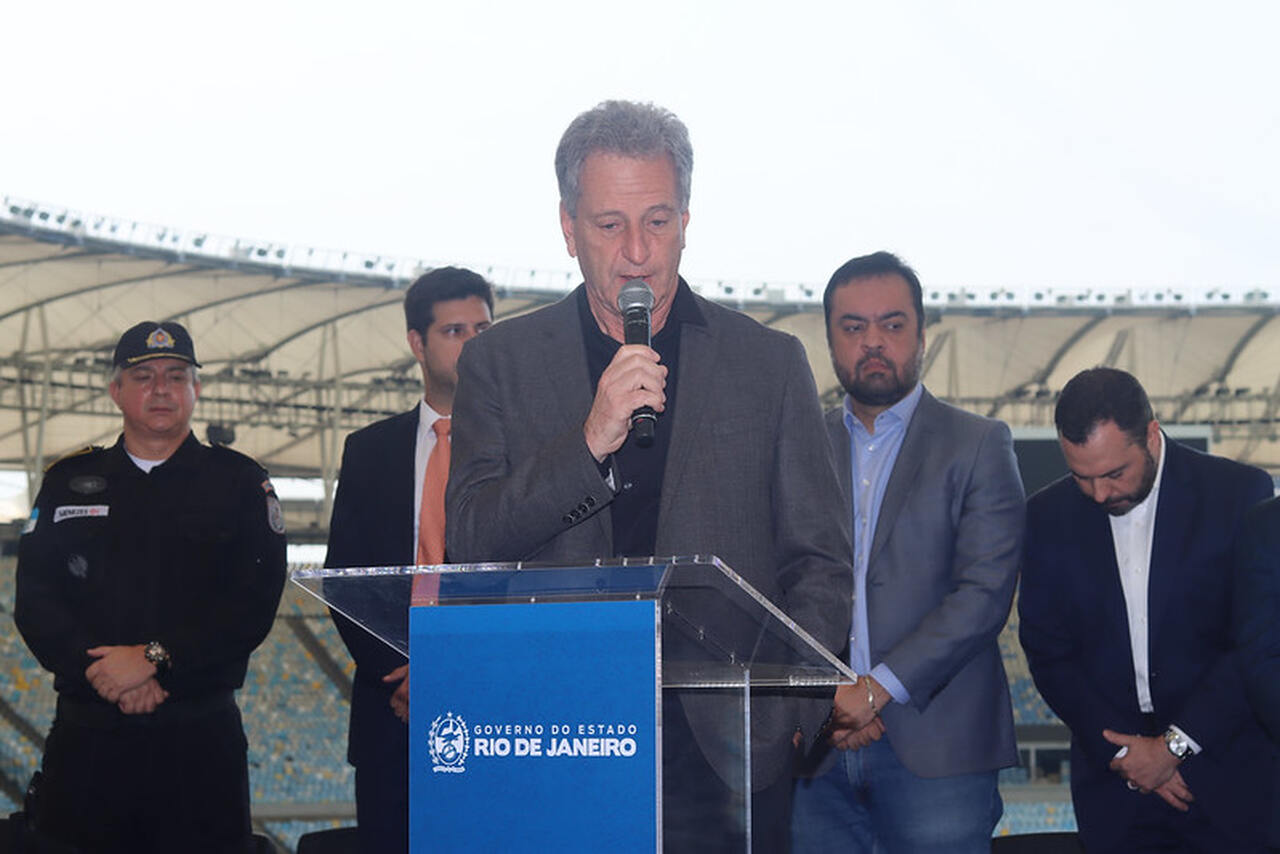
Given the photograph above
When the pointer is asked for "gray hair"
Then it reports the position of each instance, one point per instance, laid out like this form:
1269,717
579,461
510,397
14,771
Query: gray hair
629,129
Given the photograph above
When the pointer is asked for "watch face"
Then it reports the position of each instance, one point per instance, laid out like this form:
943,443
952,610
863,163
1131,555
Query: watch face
155,653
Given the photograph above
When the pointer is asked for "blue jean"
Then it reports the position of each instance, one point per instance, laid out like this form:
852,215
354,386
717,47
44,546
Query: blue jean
869,803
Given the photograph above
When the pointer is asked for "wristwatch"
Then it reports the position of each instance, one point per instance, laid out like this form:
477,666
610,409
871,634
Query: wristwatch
158,656
1177,743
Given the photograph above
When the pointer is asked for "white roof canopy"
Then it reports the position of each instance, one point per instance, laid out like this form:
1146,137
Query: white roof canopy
300,346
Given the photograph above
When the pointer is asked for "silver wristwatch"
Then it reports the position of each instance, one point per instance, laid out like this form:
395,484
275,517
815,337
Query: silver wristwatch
1177,743
158,656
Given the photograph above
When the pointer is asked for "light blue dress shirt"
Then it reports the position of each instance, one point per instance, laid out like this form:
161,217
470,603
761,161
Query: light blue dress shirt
873,456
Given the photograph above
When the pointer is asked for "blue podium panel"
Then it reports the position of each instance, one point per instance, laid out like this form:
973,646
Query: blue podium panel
533,727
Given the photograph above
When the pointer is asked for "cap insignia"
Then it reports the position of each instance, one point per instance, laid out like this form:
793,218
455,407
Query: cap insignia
159,339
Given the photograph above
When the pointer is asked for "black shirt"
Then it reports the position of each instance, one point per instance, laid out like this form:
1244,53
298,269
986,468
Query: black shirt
639,471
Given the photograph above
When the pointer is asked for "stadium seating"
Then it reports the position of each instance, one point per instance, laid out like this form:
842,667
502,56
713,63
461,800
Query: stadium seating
1035,817
1028,706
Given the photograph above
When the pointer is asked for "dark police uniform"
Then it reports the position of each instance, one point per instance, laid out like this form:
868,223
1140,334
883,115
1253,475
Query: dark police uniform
190,555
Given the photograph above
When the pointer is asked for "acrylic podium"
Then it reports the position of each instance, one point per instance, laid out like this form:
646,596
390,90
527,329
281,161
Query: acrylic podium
536,691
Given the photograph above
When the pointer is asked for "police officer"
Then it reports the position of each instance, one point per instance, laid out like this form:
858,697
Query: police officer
147,574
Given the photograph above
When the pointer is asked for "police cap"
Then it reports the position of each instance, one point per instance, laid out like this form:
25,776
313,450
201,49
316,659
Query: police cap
151,340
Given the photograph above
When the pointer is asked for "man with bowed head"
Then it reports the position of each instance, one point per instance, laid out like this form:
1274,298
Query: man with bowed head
1125,610
544,467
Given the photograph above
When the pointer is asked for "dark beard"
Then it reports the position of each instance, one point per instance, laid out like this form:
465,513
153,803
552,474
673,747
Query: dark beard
1115,506
884,389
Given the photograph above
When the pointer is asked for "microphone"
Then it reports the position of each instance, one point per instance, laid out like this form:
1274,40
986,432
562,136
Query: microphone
635,301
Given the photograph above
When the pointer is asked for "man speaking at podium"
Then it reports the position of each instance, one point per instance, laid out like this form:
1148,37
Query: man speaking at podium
738,466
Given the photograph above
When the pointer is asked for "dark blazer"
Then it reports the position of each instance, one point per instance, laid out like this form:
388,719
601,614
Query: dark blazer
1075,632
1257,624
940,579
748,477
372,525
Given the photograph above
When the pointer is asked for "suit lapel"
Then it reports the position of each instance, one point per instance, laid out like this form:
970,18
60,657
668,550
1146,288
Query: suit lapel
402,479
1098,578
1174,519
566,386
915,445
697,360
567,382
839,436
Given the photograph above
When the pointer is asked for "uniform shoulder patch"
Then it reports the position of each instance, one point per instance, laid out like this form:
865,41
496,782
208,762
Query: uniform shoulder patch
275,514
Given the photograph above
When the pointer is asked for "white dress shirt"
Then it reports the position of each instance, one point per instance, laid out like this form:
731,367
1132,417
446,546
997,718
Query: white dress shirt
1132,535
873,456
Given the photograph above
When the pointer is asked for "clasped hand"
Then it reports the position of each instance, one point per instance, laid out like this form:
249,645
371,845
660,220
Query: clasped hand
1147,765
122,675
855,723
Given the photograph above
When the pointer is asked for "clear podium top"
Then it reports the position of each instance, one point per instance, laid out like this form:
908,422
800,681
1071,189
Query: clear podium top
716,630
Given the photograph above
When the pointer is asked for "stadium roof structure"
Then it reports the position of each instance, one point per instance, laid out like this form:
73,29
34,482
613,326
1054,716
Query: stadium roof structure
301,345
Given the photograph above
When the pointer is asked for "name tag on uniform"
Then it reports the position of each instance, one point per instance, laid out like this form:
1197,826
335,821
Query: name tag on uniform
79,511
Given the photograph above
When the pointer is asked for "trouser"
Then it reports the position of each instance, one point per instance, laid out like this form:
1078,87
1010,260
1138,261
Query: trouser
382,806
870,802
703,815
177,781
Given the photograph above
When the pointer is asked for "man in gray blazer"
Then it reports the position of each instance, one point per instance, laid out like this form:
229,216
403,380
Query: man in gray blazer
936,505
543,467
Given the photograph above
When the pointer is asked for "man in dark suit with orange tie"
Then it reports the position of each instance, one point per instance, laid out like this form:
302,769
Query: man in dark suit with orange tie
389,511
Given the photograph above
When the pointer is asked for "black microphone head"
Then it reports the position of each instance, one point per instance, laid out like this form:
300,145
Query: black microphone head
635,294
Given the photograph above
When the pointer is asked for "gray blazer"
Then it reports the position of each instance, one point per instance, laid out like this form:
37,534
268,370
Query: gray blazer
748,477
940,580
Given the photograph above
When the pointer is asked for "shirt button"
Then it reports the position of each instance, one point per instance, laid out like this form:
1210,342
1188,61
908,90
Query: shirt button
866,482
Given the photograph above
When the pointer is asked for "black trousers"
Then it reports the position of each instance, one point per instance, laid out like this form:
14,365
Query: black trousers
178,782
382,806
701,814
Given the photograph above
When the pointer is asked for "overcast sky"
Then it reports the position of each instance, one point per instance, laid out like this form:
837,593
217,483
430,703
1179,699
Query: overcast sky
990,143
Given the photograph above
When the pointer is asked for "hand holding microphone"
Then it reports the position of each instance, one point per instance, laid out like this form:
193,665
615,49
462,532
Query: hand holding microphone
635,301
630,391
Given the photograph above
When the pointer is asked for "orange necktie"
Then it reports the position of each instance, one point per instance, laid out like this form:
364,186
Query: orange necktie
431,516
